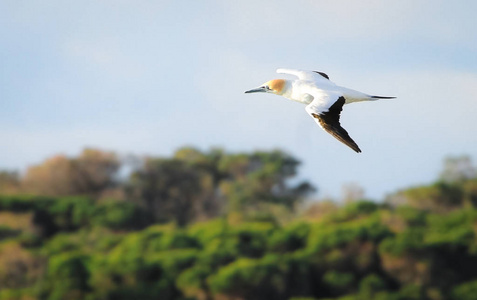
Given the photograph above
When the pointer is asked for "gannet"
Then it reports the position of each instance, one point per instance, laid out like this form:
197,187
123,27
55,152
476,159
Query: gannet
324,100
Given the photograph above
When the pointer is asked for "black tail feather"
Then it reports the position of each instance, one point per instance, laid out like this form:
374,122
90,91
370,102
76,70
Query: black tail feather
381,97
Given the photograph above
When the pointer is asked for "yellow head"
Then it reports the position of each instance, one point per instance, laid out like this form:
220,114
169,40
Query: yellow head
275,86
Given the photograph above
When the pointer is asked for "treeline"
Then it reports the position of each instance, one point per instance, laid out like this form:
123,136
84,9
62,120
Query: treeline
255,243
189,186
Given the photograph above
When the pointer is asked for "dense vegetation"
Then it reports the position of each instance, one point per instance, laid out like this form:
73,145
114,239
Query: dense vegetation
228,226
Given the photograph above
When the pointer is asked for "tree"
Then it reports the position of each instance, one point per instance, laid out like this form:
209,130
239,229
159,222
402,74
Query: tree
95,171
261,178
195,185
18,267
90,174
458,169
68,276
209,202
439,197
456,188
9,182
352,192
166,187
52,177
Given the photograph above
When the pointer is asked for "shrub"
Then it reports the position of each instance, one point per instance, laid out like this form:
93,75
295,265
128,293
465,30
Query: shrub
327,235
251,279
339,283
204,232
68,276
454,229
290,238
24,203
121,215
7,232
371,285
410,239
465,291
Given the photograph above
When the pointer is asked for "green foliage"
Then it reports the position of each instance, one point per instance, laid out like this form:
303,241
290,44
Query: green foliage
71,213
370,286
251,278
439,197
410,239
248,243
412,292
411,215
326,235
17,294
339,282
7,232
205,232
193,184
92,257
193,281
120,215
251,238
67,277
261,177
354,210
470,192
289,239
22,203
166,188
456,228
465,291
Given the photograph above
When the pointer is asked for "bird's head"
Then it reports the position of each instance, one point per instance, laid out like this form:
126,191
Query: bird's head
275,86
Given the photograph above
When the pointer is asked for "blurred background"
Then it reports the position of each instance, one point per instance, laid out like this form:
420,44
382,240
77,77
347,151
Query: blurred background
134,166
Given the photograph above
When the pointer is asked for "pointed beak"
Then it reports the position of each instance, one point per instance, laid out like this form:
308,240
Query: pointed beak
257,90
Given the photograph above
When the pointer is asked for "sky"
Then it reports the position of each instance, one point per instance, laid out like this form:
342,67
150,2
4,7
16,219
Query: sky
148,77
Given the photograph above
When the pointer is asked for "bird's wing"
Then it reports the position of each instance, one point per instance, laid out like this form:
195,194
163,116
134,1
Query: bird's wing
328,117
306,75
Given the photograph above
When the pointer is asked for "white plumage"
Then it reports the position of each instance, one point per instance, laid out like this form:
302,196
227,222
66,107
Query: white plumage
324,100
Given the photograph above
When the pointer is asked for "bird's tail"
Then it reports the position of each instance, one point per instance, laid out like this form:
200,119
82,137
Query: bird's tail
382,97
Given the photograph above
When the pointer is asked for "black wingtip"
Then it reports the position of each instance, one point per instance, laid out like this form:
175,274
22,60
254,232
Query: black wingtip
350,143
322,74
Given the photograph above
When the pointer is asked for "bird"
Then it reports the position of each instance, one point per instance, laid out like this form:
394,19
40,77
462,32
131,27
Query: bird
324,99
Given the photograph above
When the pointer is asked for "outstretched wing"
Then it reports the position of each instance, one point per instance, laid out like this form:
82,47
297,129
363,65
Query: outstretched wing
329,120
305,75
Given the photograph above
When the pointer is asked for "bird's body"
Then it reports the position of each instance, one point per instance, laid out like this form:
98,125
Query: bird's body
323,99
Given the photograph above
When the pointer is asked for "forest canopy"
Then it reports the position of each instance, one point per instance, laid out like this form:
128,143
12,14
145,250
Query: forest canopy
218,225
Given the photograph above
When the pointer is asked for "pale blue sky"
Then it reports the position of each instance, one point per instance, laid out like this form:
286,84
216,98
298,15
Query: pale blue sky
147,77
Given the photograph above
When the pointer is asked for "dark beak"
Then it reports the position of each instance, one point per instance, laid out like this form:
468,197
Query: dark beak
257,90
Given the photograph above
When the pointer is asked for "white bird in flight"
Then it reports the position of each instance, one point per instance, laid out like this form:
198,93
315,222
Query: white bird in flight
324,100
